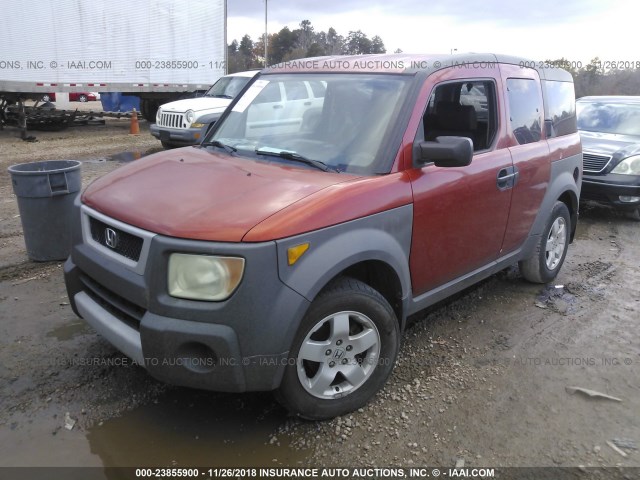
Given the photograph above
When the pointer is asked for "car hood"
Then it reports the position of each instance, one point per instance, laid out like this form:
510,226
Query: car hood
196,104
199,194
618,146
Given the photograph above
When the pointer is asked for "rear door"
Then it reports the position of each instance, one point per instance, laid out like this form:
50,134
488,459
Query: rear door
529,151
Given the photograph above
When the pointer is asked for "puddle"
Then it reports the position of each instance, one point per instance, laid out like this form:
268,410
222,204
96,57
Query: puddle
123,157
69,330
189,427
558,298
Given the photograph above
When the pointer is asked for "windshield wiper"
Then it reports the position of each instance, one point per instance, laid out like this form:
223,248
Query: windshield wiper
296,157
220,95
216,143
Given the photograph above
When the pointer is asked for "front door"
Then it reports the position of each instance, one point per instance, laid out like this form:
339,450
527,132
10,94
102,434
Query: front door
461,213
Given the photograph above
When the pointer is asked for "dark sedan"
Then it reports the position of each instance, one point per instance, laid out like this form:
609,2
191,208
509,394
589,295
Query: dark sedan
610,130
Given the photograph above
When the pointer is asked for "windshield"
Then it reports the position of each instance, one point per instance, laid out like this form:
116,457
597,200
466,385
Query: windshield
619,118
340,121
227,87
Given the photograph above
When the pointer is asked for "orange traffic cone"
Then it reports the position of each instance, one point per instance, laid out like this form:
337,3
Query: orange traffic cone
134,129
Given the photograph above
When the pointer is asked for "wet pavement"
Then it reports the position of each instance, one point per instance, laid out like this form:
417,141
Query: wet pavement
194,428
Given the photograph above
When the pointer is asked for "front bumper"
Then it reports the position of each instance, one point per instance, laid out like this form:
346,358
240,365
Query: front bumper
237,345
179,136
610,187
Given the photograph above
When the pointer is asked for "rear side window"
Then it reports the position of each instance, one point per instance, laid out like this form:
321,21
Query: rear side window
560,108
525,109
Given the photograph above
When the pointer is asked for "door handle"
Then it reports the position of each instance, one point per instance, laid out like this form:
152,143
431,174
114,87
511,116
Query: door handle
507,178
277,106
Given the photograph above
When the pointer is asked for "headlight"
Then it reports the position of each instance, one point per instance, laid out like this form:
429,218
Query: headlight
203,277
190,116
628,166
158,115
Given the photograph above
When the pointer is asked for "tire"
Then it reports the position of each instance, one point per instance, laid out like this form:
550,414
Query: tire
551,249
633,214
148,109
82,98
46,98
343,353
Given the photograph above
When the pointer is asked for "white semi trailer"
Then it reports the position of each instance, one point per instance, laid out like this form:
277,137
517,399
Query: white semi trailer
154,49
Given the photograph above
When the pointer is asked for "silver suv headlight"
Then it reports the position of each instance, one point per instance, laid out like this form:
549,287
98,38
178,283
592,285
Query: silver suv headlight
190,116
203,277
628,166
158,114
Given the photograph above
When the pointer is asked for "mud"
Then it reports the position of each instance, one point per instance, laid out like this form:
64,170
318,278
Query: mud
480,378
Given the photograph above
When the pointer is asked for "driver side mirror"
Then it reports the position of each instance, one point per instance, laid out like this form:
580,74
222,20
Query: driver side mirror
446,152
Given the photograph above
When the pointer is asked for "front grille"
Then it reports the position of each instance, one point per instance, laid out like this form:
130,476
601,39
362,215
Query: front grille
595,163
119,307
119,241
172,120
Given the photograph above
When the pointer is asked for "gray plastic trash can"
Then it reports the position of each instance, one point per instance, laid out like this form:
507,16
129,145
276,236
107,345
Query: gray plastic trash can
46,191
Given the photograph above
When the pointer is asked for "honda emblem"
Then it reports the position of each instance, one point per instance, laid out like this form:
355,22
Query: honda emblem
110,237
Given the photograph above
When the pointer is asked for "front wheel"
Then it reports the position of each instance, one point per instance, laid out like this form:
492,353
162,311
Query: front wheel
343,352
551,248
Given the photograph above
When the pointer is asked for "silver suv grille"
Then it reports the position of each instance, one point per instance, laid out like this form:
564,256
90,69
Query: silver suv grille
595,163
172,120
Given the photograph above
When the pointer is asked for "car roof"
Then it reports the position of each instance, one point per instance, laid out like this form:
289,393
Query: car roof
248,73
610,99
413,63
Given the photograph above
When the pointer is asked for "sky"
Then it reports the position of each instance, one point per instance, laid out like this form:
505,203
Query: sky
577,30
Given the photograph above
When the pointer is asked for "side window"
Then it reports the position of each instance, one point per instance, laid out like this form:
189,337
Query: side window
525,109
295,91
318,88
560,108
463,109
270,94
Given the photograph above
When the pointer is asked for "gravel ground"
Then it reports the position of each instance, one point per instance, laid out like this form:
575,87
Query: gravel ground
481,378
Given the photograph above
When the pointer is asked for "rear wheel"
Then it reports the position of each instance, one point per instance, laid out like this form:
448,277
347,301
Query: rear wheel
551,249
343,352
82,98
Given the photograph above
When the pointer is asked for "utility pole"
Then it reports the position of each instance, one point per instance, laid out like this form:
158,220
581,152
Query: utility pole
266,36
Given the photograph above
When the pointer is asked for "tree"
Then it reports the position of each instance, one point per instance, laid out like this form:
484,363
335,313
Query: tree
280,44
377,45
302,42
305,35
334,42
245,50
315,50
357,43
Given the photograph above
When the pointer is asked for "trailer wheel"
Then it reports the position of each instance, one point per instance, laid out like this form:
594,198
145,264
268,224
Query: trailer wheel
148,109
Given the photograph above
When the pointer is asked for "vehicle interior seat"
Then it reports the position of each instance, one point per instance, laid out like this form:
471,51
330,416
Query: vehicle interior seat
452,119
